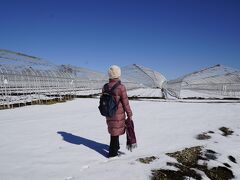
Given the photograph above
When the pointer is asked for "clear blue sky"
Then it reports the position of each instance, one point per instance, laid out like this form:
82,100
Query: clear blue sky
174,37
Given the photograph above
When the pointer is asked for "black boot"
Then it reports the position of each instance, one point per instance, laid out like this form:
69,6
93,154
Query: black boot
114,146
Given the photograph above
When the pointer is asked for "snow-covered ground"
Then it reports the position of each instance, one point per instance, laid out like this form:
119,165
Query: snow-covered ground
23,99
88,92
220,95
145,92
69,140
140,92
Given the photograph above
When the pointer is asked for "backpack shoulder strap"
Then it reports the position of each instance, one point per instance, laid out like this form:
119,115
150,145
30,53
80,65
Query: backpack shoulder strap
105,87
115,86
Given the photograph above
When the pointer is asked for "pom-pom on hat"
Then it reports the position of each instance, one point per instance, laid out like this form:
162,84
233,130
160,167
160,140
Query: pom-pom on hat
114,72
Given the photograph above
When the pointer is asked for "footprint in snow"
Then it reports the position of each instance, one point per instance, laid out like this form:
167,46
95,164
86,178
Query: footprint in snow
111,159
68,178
84,167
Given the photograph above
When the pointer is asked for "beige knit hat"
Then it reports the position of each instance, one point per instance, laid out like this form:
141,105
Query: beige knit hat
114,72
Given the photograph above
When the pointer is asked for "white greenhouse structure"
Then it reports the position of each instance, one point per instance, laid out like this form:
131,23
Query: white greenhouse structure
217,82
24,79
143,76
27,79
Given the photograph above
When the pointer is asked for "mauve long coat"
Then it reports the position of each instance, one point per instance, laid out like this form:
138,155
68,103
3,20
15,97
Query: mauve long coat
116,124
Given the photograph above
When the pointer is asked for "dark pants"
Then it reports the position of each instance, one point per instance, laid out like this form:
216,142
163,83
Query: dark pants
114,146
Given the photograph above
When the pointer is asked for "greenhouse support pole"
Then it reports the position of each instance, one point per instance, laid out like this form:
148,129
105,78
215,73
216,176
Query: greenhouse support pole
5,87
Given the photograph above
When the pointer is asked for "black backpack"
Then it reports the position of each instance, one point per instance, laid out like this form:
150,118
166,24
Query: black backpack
107,104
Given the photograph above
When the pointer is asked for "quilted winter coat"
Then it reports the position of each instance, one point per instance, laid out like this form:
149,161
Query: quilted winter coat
116,124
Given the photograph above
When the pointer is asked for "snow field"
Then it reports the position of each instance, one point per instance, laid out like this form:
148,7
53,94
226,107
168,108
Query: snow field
64,141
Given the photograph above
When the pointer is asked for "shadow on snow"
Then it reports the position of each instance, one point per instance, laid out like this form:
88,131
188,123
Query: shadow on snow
96,146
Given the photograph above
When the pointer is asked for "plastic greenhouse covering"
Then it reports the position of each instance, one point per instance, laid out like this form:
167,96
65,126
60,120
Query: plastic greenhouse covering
22,73
144,76
218,81
26,78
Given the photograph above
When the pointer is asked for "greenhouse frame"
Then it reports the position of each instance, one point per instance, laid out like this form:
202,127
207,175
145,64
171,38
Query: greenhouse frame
27,80
219,82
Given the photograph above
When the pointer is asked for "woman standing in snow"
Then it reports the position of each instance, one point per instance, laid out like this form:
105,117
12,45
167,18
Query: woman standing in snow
116,123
